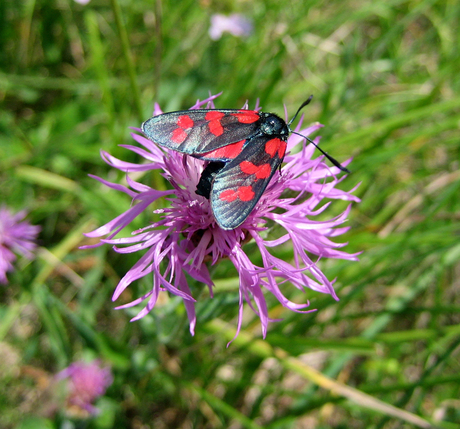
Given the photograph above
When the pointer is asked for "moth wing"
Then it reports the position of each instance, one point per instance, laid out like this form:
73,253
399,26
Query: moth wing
197,132
238,186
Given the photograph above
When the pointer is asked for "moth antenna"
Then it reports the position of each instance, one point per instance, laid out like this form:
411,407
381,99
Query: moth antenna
299,109
329,157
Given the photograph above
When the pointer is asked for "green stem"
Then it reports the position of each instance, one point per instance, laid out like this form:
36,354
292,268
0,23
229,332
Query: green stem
263,349
128,58
98,56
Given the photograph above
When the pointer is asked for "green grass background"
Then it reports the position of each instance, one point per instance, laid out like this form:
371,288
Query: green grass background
386,80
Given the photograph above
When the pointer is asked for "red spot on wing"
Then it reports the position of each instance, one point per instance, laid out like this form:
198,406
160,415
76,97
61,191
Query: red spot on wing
261,171
275,145
178,135
230,151
213,115
247,116
215,127
244,193
229,195
272,146
282,150
185,121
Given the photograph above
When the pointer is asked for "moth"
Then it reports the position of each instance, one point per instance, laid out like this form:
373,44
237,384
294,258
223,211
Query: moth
243,148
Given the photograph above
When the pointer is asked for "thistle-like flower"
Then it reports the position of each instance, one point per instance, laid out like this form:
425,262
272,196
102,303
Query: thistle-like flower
85,383
187,239
16,236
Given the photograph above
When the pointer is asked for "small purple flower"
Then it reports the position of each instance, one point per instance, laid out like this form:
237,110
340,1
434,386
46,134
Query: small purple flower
15,237
235,24
85,383
186,238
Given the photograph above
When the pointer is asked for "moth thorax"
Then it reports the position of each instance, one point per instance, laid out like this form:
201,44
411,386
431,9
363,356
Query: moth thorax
273,125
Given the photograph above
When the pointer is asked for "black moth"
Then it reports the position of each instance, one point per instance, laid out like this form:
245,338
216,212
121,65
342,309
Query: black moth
243,148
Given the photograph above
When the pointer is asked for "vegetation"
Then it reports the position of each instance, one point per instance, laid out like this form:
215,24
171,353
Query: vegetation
386,84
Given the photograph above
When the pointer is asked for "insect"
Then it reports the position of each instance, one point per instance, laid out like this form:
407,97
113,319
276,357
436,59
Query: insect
243,148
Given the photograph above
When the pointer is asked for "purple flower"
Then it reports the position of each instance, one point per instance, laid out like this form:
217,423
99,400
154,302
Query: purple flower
186,238
15,237
235,24
85,383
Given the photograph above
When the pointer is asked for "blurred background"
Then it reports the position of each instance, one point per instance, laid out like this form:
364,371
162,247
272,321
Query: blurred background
385,78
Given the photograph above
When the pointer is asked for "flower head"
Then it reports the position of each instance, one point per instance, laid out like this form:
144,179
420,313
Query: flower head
235,24
188,238
15,237
85,383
